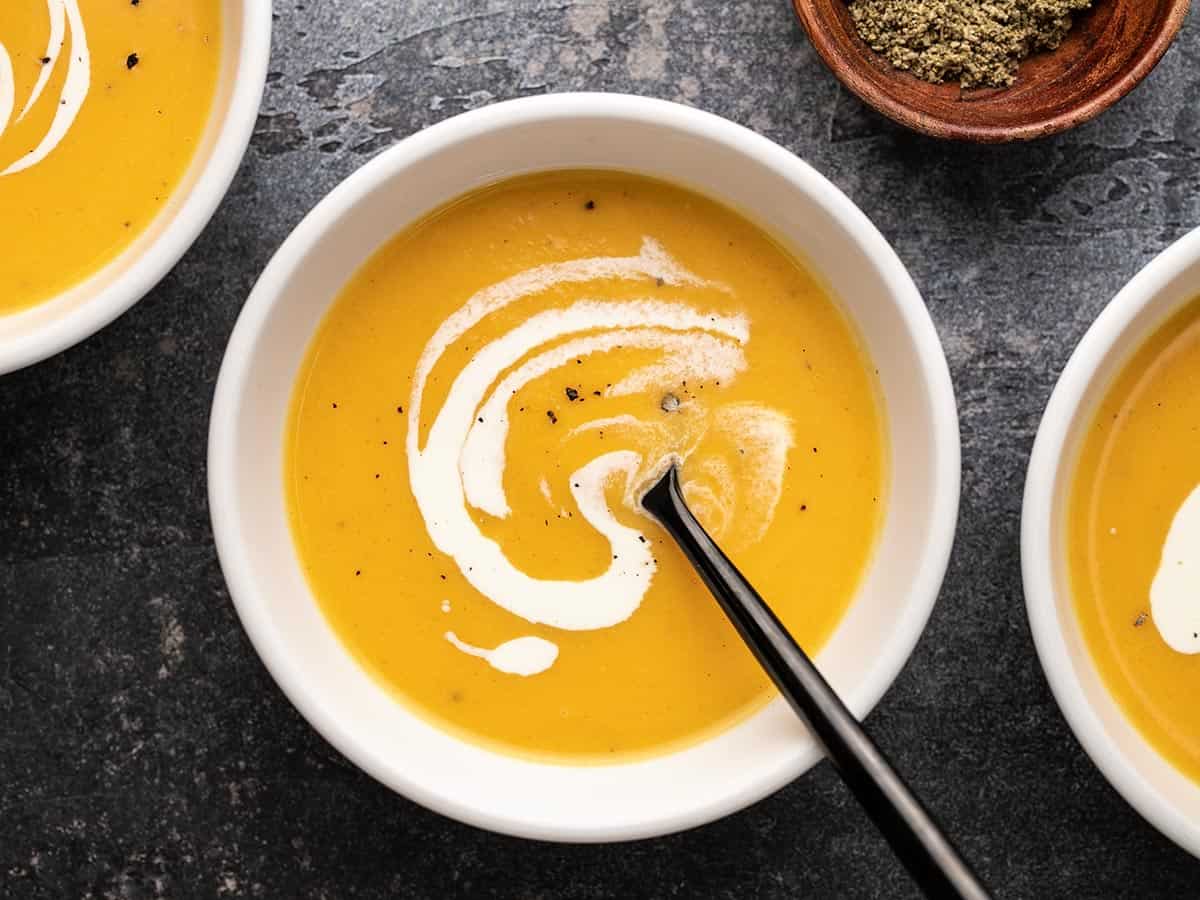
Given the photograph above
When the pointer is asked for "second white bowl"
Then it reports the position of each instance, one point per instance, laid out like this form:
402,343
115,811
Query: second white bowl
31,335
1169,800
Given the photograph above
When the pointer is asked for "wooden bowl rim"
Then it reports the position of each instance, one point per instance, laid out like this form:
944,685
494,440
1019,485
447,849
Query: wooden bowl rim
947,129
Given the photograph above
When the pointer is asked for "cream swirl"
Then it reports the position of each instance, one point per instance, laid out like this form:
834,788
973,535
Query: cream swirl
523,656
461,466
63,15
1175,591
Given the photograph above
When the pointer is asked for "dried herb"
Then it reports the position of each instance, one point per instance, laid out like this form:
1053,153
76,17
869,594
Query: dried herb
976,42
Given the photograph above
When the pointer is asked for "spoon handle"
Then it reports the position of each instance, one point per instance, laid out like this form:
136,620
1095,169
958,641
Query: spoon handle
916,839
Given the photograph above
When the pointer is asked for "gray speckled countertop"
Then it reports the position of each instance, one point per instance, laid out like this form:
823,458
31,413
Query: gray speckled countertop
144,751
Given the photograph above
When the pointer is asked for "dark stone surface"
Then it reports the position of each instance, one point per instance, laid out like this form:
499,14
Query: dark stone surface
145,752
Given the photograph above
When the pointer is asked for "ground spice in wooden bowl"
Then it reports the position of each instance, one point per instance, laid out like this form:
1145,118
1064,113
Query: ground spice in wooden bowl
978,43
1107,50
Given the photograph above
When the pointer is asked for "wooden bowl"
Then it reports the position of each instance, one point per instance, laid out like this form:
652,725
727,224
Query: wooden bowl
1112,47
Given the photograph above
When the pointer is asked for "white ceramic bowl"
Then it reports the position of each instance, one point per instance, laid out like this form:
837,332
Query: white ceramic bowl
725,161
63,321
1169,800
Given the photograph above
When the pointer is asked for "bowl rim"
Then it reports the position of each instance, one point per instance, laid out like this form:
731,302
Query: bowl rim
940,127
200,203
222,452
1047,461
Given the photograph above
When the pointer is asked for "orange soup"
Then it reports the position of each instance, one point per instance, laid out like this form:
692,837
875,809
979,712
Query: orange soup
102,106
1134,539
475,419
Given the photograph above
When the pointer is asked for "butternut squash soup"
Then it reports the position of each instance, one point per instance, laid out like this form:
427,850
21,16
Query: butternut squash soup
102,106
475,419
1134,540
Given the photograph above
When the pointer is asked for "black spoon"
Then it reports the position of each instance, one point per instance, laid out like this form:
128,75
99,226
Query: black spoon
916,839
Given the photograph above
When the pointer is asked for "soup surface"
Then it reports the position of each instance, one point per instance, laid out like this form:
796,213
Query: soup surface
1134,540
475,418
102,106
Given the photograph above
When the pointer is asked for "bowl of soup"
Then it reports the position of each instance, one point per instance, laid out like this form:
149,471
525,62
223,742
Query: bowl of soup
121,128
444,395
1111,542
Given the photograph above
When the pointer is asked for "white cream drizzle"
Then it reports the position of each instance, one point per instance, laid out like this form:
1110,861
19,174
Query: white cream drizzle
57,11
764,437
1175,592
520,656
701,356
461,466
63,14
8,89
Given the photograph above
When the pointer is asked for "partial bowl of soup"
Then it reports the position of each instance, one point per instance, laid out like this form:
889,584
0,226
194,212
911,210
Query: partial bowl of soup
445,394
121,127
1110,542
